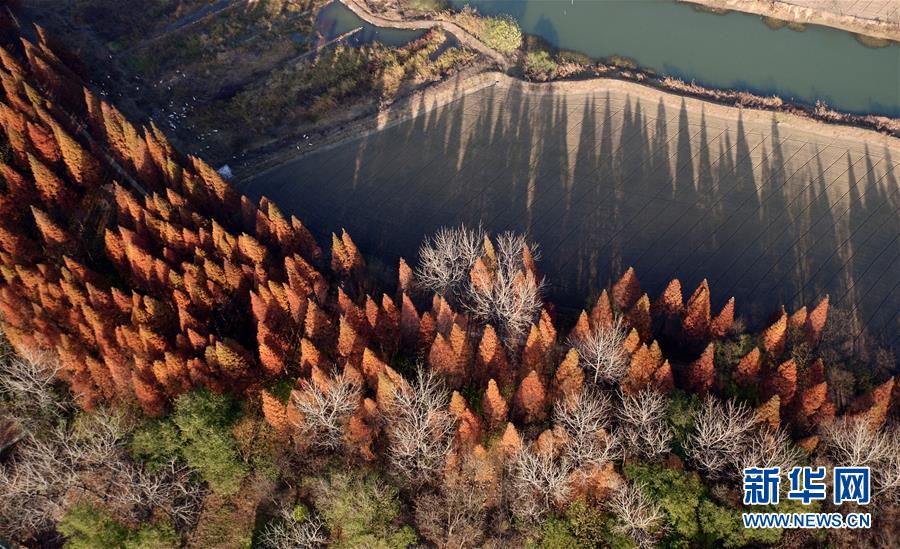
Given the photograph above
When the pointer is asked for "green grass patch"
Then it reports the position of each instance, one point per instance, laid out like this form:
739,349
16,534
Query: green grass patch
774,23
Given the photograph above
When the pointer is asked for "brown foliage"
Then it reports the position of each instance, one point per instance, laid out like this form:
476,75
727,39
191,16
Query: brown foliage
569,378
626,291
671,302
494,406
639,318
723,321
775,337
274,411
696,323
701,374
530,400
534,355
769,412
783,382
873,406
491,359
815,322
601,314
747,371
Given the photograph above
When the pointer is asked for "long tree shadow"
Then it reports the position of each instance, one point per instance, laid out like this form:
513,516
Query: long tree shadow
601,182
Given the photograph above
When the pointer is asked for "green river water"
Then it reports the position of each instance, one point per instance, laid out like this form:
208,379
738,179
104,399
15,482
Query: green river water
735,50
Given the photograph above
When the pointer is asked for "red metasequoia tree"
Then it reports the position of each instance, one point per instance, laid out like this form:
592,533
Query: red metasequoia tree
746,372
775,337
601,314
670,303
626,291
815,321
701,374
696,323
494,406
723,321
569,378
530,400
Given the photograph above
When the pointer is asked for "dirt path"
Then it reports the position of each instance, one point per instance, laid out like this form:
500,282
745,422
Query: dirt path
465,38
876,18
440,95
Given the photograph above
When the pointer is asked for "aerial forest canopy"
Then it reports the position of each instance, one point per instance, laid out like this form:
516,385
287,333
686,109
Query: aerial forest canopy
183,344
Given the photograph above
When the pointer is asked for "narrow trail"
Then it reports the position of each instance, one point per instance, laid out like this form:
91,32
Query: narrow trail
187,21
465,37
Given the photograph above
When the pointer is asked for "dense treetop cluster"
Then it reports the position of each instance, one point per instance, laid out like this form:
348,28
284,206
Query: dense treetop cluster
148,277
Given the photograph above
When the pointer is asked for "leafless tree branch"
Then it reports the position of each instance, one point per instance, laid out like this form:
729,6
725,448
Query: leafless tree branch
643,424
637,515
585,420
288,533
602,354
420,429
852,442
326,413
539,483
721,433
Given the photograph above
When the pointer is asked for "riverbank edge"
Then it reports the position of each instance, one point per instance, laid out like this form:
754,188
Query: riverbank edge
800,14
433,97
820,111
642,83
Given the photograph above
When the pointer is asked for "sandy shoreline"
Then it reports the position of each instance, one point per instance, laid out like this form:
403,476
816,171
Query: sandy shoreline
815,13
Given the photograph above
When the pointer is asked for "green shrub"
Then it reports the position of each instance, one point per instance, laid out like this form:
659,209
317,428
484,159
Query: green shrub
153,536
501,33
425,6
681,417
582,525
557,534
678,493
156,443
89,527
539,65
361,511
694,519
200,432
204,423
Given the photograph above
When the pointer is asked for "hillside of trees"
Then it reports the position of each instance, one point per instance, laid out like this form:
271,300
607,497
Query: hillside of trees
186,367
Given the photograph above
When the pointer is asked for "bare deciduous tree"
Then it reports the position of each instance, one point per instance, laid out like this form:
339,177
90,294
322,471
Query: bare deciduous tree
47,465
27,383
509,295
768,448
539,482
637,516
852,442
511,300
721,432
326,413
287,532
446,259
602,354
420,429
171,490
586,421
643,424
453,517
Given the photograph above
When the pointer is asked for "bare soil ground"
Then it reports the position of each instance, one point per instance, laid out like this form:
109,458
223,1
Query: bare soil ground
876,18
771,208
233,79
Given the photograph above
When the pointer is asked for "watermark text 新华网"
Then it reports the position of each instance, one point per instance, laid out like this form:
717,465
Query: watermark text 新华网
762,486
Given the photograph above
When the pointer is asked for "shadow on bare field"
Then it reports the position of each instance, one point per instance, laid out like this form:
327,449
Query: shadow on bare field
605,180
